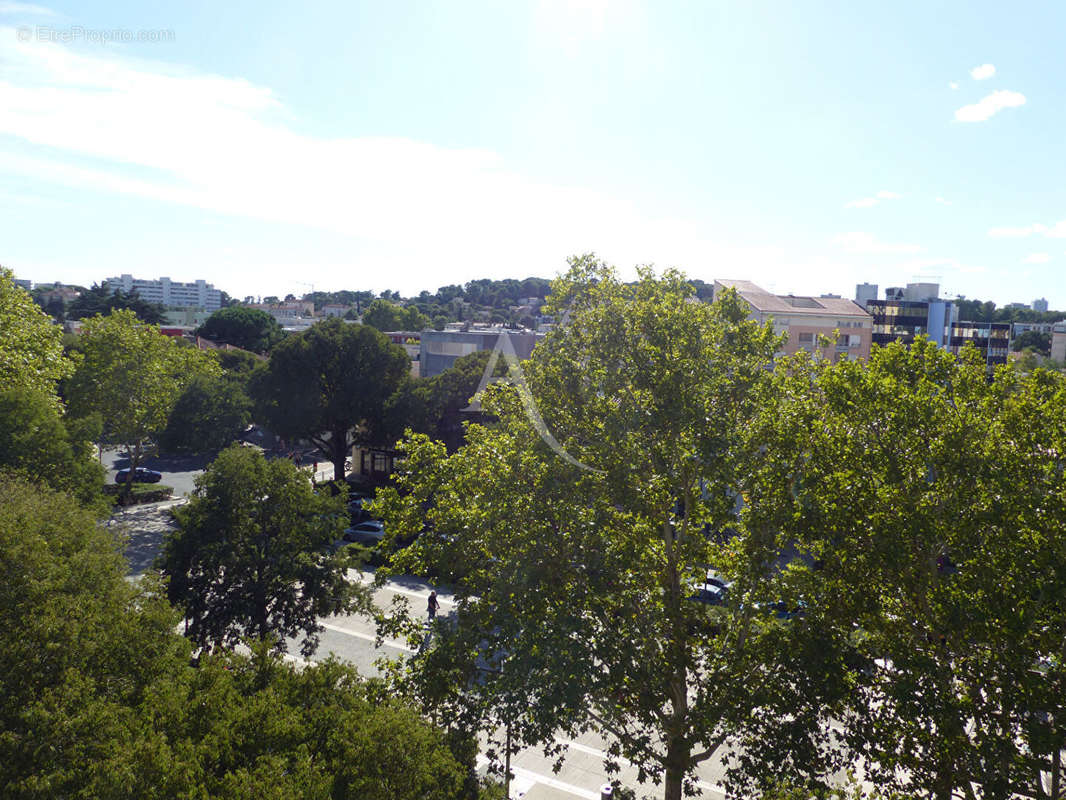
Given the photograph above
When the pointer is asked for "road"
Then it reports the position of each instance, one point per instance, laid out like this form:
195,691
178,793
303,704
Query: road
352,638
179,472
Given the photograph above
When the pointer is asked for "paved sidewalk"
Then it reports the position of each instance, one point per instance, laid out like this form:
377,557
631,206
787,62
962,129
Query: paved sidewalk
144,527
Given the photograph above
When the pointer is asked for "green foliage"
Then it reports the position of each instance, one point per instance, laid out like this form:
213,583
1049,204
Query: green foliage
79,649
330,384
31,349
576,582
99,701
978,311
931,500
210,414
448,393
252,556
1034,340
247,328
384,316
131,376
137,493
238,363
101,300
44,447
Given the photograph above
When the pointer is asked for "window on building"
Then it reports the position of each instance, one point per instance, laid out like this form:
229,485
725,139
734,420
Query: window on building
806,338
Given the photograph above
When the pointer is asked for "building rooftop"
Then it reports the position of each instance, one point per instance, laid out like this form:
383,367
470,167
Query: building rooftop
761,300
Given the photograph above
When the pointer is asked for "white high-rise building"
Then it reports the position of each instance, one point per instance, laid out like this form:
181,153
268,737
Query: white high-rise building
172,294
1040,304
864,292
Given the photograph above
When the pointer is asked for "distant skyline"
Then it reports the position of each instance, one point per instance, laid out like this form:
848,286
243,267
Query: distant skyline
268,147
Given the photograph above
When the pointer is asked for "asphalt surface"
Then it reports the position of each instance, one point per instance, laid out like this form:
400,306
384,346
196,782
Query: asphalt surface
179,472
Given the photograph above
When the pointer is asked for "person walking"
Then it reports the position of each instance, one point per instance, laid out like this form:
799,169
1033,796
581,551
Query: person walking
433,605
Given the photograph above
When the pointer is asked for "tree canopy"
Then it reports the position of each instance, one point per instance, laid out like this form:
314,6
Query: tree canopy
39,444
247,328
131,376
577,528
330,384
387,316
252,557
1037,340
211,413
931,500
31,345
101,299
99,699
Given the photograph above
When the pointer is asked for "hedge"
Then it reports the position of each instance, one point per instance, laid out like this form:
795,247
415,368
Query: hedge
141,493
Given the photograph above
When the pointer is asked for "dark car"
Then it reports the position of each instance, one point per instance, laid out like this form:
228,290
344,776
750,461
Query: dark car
140,475
710,593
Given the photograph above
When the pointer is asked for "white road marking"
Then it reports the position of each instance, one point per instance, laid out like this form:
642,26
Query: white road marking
529,776
367,637
421,595
592,751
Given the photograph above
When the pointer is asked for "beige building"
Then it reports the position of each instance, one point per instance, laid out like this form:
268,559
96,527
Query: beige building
806,319
1058,341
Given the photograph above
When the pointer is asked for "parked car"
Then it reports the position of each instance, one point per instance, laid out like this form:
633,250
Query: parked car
710,593
141,475
370,533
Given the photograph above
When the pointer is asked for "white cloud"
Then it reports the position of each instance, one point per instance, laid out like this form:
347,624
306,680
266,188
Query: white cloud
982,72
414,211
1017,233
1036,258
1057,231
943,202
989,105
868,244
867,202
941,266
953,85
26,9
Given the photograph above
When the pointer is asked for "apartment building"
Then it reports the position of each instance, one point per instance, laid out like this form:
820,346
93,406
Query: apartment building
440,349
172,294
1058,341
992,339
805,320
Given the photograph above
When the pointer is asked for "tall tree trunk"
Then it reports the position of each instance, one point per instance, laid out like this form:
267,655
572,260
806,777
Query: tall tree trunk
678,751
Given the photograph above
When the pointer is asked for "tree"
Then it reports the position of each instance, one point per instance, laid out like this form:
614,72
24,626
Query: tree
101,299
330,384
238,363
41,446
131,376
80,647
251,556
450,392
1036,340
576,528
384,315
414,320
210,414
99,699
247,328
31,345
53,306
932,500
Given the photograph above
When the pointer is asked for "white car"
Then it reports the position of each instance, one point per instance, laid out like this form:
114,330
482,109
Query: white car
370,532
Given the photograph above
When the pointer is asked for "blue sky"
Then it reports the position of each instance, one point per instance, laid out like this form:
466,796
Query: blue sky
268,148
